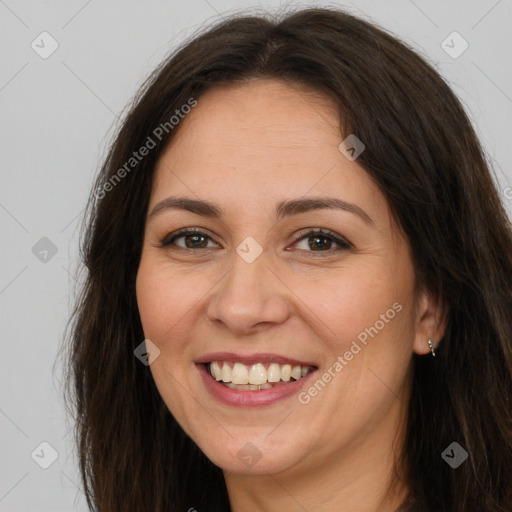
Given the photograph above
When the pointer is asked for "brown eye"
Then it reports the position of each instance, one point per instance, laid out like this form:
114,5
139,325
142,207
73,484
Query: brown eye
322,241
192,239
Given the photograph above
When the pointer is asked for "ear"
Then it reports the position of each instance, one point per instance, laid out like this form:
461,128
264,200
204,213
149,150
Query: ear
431,318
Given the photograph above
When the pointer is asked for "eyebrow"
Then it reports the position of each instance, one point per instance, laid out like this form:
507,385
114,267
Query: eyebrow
283,209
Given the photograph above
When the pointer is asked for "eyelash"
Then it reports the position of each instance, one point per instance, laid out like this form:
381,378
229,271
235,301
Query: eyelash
342,243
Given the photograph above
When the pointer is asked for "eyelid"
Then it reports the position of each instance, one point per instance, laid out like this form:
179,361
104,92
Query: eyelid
170,237
340,241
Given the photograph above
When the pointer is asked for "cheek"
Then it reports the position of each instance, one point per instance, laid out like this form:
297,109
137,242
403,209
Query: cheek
365,323
163,299
163,305
152,301
349,303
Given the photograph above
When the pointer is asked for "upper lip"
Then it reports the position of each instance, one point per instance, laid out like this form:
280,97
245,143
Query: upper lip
260,357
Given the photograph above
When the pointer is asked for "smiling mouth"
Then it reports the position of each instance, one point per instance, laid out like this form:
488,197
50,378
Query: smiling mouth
255,377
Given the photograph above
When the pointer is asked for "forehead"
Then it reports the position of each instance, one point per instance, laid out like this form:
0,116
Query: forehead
265,139
255,118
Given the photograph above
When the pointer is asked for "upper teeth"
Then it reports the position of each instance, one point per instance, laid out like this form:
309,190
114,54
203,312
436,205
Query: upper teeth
256,374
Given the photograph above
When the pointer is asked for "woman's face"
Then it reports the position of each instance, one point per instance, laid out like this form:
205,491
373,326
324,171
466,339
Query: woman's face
256,288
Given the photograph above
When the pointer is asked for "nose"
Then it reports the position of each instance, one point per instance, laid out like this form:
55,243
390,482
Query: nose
249,297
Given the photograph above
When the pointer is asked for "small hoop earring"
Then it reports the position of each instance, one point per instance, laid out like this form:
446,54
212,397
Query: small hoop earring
432,349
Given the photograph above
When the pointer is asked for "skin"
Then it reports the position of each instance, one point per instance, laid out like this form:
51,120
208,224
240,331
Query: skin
246,147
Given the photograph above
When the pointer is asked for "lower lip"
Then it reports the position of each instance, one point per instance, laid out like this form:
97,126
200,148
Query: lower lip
247,398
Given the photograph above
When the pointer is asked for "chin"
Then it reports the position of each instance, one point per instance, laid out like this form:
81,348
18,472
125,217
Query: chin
253,454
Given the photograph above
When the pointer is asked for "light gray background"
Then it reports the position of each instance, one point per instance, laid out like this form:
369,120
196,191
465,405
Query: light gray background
57,116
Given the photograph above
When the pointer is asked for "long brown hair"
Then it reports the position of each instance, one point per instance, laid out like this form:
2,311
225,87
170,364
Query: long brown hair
422,152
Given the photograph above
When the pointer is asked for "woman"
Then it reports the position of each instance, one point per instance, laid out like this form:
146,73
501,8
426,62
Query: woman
299,285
